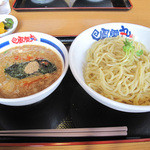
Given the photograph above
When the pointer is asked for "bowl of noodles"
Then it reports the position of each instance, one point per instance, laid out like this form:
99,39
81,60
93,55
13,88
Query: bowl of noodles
32,66
111,62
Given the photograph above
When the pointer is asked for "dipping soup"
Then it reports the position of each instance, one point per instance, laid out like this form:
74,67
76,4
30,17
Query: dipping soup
28,69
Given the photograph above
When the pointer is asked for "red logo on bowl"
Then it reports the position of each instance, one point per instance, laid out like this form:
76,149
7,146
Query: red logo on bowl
24,39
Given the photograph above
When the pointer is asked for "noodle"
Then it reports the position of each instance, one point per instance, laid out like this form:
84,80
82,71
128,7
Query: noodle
120,76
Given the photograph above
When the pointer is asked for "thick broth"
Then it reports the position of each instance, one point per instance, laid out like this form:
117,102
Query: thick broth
13,87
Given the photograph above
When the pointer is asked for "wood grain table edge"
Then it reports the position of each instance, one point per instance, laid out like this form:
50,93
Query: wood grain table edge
144,140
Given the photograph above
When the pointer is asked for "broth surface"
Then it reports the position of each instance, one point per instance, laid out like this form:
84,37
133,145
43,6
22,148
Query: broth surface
35,79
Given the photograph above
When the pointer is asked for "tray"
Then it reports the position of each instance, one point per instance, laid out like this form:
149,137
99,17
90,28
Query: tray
69,106
26,5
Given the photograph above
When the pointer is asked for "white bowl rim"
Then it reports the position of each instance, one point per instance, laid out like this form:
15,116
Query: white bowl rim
106,101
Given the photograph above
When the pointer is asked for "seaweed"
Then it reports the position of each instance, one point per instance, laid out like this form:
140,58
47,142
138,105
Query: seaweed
17,70
46,66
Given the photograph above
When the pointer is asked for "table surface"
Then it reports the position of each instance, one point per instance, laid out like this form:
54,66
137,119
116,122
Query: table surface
68,23
64,23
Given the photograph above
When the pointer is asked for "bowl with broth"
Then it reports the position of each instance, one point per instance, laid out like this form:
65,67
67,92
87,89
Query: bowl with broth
111,63
32,66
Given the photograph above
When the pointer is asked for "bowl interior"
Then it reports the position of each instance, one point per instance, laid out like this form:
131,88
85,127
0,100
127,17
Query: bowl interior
84,41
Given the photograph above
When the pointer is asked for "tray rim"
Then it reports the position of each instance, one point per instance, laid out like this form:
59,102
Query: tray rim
73,8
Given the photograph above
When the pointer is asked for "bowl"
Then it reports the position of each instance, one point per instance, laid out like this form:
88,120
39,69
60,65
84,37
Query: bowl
9,31
41,1
35,38
83,42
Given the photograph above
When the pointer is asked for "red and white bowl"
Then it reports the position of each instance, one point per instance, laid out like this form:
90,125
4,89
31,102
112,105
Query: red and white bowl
35,38
83,42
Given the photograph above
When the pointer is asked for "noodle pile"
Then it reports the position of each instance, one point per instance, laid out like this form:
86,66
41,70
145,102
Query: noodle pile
117,75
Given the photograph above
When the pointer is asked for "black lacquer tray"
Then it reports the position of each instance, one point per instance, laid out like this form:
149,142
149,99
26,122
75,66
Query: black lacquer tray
69,106
26,5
